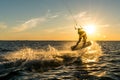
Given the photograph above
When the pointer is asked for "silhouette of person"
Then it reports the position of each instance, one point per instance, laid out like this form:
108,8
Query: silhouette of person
82,35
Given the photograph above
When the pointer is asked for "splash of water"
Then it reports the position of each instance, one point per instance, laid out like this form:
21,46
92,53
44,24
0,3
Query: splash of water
35,59
91,53
51,57
31,54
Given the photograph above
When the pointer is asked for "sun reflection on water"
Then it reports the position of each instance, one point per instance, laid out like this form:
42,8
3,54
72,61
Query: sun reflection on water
91,53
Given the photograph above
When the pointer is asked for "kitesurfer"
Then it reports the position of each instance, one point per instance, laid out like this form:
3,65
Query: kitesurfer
82,35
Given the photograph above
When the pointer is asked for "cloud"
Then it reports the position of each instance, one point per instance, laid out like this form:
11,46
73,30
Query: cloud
29,24
105,25
48,13
3,26
64,29
84,18
81,17
51,16
53,30
54,16
81,14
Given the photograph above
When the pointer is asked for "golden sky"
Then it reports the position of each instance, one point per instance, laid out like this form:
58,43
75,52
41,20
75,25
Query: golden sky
43,20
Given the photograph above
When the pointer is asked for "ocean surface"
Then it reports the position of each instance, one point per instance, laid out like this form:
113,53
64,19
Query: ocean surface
54,60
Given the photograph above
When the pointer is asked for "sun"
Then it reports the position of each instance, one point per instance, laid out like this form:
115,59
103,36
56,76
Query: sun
90,28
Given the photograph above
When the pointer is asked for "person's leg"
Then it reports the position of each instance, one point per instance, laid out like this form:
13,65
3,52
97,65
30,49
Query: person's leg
78,41
84,40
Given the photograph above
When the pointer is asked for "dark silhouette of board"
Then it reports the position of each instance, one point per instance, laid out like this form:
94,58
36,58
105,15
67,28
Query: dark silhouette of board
78,47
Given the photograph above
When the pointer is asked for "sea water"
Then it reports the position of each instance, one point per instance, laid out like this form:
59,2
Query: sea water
54,60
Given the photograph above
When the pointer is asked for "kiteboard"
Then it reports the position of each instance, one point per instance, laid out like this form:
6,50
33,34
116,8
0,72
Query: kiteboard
78,47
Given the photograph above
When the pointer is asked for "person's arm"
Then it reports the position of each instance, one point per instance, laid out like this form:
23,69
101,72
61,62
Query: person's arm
75,27
84,33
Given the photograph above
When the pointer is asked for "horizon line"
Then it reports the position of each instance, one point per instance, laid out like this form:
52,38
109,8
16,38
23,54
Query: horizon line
57,40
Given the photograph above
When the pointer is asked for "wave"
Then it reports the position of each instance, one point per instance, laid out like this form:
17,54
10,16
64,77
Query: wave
42,60
52,57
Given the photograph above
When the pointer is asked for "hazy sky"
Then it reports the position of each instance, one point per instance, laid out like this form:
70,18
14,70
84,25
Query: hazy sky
53,19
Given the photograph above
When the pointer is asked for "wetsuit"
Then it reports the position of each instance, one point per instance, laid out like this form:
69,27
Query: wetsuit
82,34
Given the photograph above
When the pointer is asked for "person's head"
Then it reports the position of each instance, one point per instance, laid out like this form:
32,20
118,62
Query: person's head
79,28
